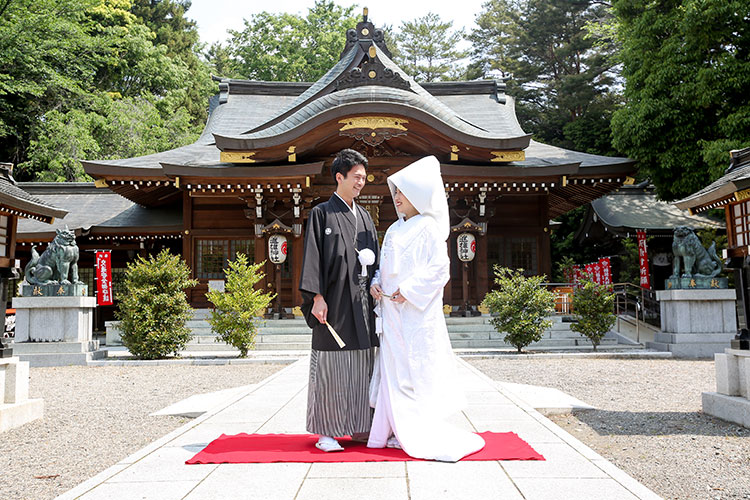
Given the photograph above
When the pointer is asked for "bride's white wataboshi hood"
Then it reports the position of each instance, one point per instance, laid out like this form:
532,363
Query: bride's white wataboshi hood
422,185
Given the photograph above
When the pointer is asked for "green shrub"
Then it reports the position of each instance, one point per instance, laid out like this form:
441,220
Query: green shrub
154,309
236,309
521,306
593,306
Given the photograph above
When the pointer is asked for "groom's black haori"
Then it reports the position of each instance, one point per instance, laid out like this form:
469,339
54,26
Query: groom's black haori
338,401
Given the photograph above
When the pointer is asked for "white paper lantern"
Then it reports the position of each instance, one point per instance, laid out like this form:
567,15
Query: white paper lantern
277,248
467,247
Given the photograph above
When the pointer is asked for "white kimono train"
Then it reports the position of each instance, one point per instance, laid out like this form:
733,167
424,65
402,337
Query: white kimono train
414,386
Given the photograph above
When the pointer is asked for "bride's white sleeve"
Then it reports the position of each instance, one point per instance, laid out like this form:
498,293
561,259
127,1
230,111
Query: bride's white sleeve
376,278
432,274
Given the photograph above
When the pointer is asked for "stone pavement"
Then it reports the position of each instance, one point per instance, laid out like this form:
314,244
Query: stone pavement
277,405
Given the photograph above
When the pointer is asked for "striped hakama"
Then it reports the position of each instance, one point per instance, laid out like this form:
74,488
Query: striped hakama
338,393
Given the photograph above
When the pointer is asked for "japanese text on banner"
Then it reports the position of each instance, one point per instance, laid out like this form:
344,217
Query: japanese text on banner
643,260
104,278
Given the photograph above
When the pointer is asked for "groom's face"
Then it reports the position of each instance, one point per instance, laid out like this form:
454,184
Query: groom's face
351,185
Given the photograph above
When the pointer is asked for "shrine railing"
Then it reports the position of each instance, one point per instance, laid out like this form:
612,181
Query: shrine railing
630,299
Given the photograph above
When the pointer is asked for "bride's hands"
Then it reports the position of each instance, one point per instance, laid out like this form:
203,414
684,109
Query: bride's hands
397,297
376,291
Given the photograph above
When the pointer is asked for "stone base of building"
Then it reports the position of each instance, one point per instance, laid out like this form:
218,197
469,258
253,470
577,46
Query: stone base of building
695,323
730,408
114,334
731,401
54,319
59,353
691,345
16,408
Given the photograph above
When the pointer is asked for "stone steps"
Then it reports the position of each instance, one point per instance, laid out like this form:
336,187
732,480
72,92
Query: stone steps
465,333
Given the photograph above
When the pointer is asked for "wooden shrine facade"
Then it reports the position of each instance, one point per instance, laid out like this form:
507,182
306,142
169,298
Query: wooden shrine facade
263,161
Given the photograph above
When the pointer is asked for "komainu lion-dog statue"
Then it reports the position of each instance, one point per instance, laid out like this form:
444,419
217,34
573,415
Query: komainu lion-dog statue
58,262
696,260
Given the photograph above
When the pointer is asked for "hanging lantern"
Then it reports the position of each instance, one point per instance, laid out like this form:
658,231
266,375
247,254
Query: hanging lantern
467,247
277,248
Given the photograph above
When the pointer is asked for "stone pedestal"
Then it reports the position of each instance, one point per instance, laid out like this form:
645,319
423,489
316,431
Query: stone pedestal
16,408
55,331
695,323
114,334
731,401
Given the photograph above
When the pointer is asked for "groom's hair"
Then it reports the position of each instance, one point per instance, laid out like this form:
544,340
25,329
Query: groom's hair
345,160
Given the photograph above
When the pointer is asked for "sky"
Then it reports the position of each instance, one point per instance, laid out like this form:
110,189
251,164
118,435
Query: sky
215,17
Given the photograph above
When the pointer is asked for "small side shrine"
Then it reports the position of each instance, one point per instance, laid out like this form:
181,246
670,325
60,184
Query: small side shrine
16,408
731,401
633,209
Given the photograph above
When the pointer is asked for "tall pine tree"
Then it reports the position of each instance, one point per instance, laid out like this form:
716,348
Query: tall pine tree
561,78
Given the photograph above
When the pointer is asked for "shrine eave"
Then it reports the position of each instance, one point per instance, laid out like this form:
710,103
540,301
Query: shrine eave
715,195
16,201
232,171
105,170
507,170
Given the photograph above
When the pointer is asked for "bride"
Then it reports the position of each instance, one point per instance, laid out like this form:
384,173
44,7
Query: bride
414,386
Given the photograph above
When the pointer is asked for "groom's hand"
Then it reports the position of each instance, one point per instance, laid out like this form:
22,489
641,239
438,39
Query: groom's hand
320,308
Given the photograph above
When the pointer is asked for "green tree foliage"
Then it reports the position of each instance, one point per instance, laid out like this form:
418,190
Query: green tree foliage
106,129
153,309
593,306
561,78
236,309
68,67
687,78
166,19
520,305
288,47
630,269
427,48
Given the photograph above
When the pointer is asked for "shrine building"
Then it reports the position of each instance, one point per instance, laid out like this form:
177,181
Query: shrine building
263,161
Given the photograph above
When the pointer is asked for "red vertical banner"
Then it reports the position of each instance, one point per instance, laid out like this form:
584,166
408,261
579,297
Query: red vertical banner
104,278
589,270
606,266
643,260
598,272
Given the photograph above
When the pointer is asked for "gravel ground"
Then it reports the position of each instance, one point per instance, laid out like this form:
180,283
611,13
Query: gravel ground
95,417
648,420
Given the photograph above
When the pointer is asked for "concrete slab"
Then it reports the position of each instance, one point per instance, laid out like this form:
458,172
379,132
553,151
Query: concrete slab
372,488
580,489
277,404
546,399
459,481
199,404
162,490
251,481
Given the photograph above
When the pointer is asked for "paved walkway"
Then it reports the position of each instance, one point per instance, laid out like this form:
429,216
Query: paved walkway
277,405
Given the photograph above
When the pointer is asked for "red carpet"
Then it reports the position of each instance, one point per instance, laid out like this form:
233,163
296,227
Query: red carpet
269,448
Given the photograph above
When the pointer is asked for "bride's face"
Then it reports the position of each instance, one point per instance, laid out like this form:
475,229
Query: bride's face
403,205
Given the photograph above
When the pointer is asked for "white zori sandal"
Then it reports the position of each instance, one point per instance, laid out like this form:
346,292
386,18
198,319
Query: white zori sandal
326,443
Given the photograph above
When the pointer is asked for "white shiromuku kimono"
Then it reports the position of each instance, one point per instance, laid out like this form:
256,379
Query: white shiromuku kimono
414,386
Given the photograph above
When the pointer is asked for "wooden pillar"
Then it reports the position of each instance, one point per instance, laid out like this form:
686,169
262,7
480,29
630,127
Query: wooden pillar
544,238
465,284
448,290
298,249
260,256
480,267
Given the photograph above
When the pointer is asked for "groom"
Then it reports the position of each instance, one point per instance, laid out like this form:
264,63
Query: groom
338,392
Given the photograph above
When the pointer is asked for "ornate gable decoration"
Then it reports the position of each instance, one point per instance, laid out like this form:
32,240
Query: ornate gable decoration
373,129
371,71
